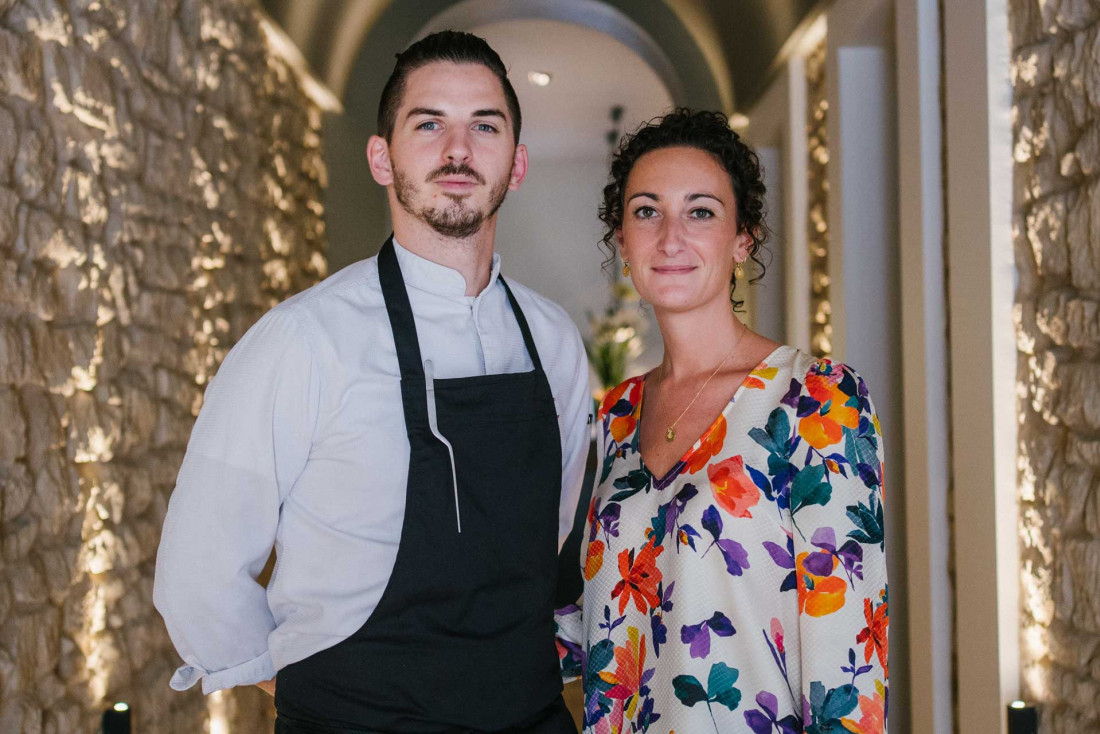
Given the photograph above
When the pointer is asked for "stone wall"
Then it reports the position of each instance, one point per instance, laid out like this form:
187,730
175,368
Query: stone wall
1056,88
160,177
817,224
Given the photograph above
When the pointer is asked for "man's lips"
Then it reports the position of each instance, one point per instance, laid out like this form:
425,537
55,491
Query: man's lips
456,182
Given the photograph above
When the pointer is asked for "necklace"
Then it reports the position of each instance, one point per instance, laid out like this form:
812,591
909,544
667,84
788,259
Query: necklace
670,434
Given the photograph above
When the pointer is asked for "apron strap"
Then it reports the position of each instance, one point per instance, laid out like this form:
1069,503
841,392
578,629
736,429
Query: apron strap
404,326
528,340
400,312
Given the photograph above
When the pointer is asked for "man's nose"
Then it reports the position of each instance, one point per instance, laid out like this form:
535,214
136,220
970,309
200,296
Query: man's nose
457,146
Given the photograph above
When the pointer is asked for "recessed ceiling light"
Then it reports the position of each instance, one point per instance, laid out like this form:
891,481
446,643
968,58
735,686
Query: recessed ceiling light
539,78
738,121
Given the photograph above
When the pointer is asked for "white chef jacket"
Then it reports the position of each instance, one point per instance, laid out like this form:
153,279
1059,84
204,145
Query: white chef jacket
301,443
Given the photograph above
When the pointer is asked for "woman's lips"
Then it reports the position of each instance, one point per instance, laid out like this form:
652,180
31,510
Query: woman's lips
673,269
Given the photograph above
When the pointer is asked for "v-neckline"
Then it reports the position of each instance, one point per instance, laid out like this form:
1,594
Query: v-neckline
662,480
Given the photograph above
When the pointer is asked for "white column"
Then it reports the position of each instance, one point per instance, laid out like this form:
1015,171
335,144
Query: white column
925,359
983,360
767,305
864,270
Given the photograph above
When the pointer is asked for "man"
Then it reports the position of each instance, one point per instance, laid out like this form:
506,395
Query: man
411,435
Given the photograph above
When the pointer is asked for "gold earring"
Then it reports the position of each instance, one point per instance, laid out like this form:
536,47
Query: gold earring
739,271
626,268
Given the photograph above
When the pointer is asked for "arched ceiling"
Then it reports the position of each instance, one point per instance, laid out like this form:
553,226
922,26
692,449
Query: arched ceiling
723,50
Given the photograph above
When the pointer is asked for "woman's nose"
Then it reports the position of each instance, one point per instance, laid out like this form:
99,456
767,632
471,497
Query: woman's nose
671,239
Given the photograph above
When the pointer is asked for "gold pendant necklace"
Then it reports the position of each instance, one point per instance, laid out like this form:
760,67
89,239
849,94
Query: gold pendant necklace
670,434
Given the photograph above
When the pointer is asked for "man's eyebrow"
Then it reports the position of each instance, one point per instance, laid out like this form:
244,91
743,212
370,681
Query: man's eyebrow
644,193
693,197
490,113
425,111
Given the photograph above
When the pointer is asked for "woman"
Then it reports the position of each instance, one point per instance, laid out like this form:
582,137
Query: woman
734,570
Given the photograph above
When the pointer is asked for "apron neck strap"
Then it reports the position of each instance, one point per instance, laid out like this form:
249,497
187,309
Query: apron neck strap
528,340
404,326
400,312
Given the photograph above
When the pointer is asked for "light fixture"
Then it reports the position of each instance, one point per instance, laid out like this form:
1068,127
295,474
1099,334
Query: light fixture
539,78
116,720
738,121
1022,718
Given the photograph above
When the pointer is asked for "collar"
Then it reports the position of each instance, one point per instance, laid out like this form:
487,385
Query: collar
432,277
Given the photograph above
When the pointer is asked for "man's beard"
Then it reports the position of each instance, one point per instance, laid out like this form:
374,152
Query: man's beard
455,220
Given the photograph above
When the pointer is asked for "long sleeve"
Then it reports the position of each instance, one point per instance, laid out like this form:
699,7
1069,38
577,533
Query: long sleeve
249,444
836,508
576,410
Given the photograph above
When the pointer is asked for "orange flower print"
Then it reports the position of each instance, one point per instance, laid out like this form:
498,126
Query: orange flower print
640,577
594,560
874,635
733,490
755,380
818,595
824,427
708,446
873,713
612,397
630,665
622,426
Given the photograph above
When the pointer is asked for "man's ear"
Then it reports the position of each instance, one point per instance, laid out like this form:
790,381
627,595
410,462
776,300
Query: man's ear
378,157
519,167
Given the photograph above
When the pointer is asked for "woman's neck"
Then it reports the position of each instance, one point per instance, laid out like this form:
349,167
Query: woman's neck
697,341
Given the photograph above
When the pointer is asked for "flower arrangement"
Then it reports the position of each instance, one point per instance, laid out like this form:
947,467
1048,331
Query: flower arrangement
617,337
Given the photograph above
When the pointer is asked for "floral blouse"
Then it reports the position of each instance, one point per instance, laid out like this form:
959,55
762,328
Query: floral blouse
745,590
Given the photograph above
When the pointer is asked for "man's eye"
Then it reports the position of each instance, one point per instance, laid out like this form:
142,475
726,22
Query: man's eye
702,214
645,212
428,125
485,127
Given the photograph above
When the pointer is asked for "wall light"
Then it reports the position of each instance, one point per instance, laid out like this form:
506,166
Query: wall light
116,720
539,78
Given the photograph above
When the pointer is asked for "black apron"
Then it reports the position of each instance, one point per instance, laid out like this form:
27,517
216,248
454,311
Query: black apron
462,639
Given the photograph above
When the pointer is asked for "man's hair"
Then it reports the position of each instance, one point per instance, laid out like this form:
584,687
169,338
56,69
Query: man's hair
453,46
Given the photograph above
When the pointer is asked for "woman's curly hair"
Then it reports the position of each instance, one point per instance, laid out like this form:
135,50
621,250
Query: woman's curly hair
710,132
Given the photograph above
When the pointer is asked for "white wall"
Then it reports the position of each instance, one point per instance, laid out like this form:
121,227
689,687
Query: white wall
548,235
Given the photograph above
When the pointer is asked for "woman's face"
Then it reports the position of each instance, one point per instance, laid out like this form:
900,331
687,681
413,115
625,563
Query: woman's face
680,230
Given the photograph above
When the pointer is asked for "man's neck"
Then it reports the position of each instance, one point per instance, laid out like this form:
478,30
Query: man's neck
471,256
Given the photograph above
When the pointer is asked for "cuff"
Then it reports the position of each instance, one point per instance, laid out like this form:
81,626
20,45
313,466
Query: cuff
256,670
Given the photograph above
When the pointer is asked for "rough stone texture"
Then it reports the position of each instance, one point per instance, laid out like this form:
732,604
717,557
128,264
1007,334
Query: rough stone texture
817,234
1056,114
160,180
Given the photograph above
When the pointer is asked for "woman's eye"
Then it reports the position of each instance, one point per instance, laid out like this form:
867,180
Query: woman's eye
645,212
701,214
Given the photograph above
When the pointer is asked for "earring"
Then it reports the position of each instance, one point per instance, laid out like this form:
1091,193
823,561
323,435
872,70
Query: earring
626,268
739,271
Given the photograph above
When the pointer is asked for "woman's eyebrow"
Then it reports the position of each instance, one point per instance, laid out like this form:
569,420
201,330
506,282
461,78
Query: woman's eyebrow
693,197
646,194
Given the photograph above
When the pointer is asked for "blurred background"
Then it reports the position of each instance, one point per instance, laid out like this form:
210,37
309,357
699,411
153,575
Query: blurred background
170,169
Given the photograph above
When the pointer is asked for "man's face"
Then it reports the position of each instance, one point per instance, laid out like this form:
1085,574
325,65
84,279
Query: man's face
452,152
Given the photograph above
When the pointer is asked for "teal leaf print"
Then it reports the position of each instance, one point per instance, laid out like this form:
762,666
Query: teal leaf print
720,689
631,484
809,489
868,521
720,686
776,435
689,690
827,708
